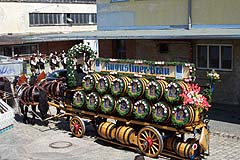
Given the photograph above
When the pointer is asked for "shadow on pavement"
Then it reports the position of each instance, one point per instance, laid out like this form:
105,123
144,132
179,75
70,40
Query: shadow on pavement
225,113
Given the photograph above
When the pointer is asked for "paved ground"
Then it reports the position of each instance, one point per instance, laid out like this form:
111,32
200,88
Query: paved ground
26,142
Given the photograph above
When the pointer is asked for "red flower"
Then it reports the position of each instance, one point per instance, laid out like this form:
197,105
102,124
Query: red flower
192,97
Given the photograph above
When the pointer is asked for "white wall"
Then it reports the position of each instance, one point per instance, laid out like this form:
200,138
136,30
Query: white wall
14,17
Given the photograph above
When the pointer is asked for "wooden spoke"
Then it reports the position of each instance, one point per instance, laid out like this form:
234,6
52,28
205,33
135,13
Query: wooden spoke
150,141
141,139
145,132
153,150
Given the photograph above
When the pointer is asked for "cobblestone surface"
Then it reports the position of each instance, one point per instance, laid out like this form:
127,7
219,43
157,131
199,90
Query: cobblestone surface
26,142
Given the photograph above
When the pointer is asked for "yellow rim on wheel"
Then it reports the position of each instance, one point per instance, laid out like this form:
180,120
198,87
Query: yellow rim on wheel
77,126
150,141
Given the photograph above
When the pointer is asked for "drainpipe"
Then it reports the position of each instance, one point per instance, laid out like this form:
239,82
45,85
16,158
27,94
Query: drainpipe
189,14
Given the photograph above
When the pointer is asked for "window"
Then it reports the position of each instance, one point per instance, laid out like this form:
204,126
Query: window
120,48
214,56
119,0
55,1
18,49
48,19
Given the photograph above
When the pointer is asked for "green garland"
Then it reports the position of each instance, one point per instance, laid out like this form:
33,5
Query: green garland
161,112
141,109
124,106
93,101
103,85
79,99
135,88
185,115
108,104
153,91
117,86
176,89
73,53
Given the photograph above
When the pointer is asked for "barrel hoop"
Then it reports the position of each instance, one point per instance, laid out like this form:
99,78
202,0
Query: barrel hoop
117,133
107,130
110,131
100,128
186,154
124,135
129,134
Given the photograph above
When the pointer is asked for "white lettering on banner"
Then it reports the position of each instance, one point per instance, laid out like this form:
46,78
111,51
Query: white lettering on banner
146,69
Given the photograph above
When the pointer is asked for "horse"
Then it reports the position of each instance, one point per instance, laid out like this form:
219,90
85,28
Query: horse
30,94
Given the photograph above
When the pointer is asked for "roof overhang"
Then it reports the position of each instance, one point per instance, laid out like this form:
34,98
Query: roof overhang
124,34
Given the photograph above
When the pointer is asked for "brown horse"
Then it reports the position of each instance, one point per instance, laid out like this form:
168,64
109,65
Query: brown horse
30,94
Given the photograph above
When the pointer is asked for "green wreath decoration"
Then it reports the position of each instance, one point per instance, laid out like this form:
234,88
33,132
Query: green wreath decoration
74,52
119,86
161,112
79,99
141,109
180,115
103,85
108,104
93,101
135,88
89,82
154,91
172,92
124,106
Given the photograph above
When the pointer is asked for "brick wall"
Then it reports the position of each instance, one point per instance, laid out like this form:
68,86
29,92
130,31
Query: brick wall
48,47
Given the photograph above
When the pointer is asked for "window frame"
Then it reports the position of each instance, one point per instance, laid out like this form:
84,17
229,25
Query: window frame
219,55
114,1
59,19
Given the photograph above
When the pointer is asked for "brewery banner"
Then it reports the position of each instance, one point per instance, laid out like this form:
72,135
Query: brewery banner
162,69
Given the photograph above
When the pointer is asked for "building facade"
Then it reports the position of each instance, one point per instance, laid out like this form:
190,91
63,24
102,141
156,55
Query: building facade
43,17
203,32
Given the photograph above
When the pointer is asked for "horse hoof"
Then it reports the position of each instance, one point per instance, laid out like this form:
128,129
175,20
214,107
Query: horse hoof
45,123
32,122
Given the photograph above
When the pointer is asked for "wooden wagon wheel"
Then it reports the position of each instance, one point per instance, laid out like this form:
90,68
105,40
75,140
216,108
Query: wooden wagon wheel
150,141
77,126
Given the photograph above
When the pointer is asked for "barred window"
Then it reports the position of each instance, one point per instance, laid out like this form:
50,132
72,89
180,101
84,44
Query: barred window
48,19
53,1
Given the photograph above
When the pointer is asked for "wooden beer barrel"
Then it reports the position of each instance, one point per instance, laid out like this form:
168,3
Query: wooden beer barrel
79,99
89,82
161,112
125,135
184,115
155,90
136,87
108,104
124,106
119,86
93,101
171,143
186,149
173,91
107,130
104,84
142,109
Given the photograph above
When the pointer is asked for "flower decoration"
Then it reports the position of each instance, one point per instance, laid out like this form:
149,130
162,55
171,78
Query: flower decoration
193,97
213,76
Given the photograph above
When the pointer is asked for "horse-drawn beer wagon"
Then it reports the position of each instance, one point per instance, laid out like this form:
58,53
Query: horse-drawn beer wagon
152,106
